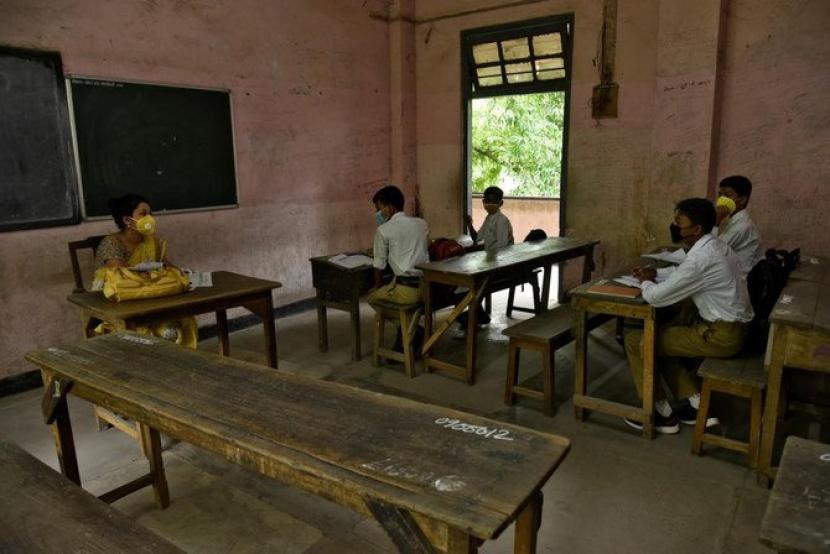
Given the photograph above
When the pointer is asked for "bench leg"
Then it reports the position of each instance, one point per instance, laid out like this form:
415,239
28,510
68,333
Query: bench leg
151,442
702,415
547,377
581,360
222,332
527,524
378,339
512,373
757,400
64,441
537,301
406,340
511,296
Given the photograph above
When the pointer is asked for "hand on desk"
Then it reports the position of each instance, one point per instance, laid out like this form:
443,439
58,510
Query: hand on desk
645,273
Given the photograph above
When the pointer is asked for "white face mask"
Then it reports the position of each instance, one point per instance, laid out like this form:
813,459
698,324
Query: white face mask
380,219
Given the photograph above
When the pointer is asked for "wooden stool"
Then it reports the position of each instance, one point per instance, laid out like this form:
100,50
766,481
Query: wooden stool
744,377
408,316
544,333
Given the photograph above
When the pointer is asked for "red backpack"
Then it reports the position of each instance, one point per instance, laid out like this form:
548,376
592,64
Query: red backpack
444,248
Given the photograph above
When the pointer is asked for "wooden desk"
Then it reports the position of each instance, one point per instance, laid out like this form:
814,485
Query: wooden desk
434,478
800,338
583,302
41,511
798,513
229,290
475,271
812,268
339,288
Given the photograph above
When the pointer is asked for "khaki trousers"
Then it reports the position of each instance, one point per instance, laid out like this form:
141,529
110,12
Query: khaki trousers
397,293
679,342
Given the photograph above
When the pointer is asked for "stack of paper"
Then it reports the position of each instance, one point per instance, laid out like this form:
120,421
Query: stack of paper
199,278
350,262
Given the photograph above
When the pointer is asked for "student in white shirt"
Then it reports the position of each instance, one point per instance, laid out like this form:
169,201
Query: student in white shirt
496,231
401,241
715,326
738,230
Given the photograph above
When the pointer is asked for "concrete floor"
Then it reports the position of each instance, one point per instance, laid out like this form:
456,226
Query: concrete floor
616,492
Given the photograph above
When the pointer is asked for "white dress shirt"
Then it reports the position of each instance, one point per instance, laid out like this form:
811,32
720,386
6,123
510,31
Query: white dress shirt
743,237
496,231
402,242
712,276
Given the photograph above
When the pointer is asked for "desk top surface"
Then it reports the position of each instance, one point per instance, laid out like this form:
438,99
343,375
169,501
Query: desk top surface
42,511
812,268
471,472
475,263
798,513
803,304
582,291
225,285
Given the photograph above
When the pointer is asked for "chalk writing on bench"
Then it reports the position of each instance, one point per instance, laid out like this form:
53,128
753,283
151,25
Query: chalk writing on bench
825,457
138,340
388,466
60,353
486,432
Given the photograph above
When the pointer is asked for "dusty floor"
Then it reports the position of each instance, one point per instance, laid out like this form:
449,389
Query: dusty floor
616,492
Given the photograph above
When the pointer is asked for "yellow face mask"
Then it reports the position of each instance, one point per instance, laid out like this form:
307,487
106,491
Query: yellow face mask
727,203
145,225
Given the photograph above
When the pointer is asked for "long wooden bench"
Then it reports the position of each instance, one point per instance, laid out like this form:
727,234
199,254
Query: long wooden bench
544,333
436,479
42,511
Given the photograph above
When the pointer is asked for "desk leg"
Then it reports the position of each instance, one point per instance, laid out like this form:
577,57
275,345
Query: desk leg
62,432
322,322
546,287
151,442
270,331
649,338
222,332
355,316
581,359
588,264
774,378
527,525
472,340
87,324
427,323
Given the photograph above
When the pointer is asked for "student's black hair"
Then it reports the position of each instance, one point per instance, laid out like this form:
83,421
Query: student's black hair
494,192
124,206
700,211
739,184
391,196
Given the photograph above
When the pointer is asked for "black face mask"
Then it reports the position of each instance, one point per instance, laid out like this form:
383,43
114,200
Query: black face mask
674,229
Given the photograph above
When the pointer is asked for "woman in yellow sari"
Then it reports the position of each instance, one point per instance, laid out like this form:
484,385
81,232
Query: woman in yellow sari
135,243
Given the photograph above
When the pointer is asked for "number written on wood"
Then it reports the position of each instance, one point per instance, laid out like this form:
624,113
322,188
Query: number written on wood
480,430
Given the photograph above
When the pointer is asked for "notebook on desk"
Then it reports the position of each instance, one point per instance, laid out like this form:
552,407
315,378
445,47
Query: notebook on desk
615,290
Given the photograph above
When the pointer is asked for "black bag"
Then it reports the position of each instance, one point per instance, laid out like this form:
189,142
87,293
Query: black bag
536,234
765,282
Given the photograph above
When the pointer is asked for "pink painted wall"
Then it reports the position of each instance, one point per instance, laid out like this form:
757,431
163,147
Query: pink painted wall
310,91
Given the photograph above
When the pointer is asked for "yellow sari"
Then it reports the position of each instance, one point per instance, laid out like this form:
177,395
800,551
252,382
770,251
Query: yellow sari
183,331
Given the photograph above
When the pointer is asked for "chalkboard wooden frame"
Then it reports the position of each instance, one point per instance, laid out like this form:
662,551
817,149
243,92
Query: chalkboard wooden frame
59,189
229,189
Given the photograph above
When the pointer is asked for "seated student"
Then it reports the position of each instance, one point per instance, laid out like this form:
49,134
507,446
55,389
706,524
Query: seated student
714,326
738,230
133,244
496,231
402,242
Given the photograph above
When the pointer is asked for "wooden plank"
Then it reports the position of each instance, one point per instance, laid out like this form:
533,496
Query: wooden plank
41,511
225,285
608,407
271,420
798,513
812,268
743,370
796,305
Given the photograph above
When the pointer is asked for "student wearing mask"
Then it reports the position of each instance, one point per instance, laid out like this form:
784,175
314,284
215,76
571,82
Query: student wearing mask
735,227
496,231
713,325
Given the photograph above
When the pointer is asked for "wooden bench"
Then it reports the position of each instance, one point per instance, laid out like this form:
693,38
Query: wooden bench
544,333
42,511
743,376
798,513
436,479
407,316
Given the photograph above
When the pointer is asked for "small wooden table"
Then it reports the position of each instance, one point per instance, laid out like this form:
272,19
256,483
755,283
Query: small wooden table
798,513
475,270
799,338
434,478
41,511
583,302
229,290
812,268
339,288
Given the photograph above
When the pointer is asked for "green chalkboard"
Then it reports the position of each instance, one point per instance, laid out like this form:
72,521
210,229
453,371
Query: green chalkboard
172,145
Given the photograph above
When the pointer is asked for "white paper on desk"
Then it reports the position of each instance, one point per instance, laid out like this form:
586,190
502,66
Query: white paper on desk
631,281
350,262
199,278
465,240
675,257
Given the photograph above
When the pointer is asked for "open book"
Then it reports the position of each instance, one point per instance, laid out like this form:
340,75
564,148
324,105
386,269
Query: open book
675,257
351,261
